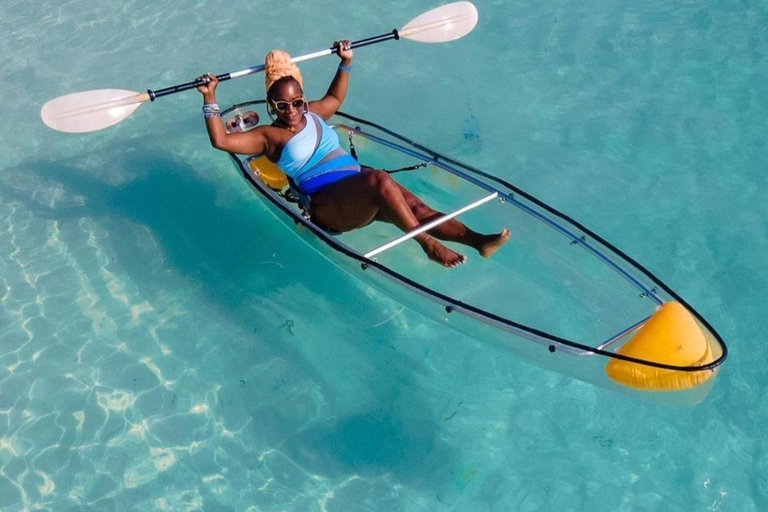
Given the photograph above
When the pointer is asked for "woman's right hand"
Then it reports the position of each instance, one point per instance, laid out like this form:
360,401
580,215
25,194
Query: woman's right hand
208,84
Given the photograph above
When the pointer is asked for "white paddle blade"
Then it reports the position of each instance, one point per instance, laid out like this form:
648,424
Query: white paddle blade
90,110
442,24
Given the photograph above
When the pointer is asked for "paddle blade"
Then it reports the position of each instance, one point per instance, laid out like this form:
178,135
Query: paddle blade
442,24
91,110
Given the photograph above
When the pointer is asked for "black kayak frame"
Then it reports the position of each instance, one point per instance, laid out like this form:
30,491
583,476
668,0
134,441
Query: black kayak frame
452,305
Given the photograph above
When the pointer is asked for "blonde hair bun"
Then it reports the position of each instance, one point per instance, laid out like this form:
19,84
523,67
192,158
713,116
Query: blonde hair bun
277,65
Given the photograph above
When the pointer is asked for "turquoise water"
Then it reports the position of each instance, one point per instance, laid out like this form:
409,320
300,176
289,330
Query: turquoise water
166,345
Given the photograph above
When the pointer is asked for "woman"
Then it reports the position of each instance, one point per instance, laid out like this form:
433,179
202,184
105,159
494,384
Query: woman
343,196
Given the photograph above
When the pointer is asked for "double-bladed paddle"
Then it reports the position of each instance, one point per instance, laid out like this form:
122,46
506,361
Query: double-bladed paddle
94,110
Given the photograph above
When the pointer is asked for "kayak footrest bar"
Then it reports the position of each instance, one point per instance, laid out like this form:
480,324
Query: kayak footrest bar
613,339
430,225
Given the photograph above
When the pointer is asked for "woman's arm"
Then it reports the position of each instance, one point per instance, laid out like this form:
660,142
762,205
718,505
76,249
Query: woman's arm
246,143
326,106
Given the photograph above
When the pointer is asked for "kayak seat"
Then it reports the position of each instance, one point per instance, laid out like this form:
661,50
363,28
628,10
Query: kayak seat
269,173
670,336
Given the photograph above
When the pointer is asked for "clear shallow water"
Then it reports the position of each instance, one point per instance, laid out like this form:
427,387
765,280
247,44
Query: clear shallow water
164,345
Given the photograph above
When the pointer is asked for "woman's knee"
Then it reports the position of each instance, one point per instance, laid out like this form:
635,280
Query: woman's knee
380,182
376,177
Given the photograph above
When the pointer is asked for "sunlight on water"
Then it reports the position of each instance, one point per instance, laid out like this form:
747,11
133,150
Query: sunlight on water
165,344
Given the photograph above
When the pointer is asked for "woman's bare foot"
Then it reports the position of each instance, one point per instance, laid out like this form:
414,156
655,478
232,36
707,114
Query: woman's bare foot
441,254
492,245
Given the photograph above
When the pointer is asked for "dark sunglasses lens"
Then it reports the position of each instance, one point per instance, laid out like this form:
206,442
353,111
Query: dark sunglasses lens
297,104
281,106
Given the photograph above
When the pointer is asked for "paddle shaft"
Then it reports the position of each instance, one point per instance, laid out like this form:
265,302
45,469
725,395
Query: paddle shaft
255,69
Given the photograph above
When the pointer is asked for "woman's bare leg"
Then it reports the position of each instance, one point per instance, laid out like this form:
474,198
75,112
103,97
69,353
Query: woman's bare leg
453,230
373,195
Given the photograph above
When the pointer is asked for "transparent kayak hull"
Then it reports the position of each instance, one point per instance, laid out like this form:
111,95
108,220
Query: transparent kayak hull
556,293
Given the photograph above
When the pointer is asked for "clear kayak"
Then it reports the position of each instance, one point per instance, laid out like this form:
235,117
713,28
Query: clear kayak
557,294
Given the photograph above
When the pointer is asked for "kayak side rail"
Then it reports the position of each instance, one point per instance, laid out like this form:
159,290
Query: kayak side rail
509,197
657,283
452,305
472,175
430,225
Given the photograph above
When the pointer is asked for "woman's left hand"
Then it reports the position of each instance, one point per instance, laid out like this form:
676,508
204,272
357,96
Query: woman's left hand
344,49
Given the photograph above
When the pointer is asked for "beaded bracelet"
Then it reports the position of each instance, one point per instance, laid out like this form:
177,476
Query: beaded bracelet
211,110
345,68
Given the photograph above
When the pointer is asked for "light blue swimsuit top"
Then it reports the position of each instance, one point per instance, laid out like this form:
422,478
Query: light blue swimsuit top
299,159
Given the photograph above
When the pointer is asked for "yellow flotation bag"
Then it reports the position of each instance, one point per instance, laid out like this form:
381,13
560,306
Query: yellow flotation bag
671,336
269,173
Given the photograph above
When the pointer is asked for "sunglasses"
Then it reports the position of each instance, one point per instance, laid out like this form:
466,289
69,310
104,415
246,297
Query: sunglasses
282,106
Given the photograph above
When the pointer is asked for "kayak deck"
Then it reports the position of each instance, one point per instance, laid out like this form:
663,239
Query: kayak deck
554,283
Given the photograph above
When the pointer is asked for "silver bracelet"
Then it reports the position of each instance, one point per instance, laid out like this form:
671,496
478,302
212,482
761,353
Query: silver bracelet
211,110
